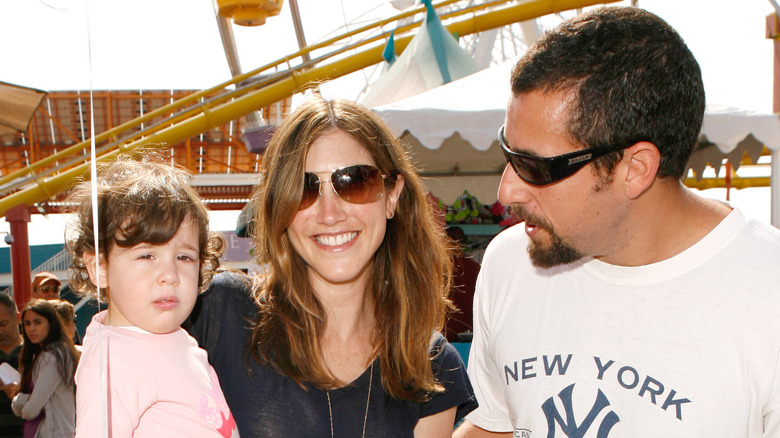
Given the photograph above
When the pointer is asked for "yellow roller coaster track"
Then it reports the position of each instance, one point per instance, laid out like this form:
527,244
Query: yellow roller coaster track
261,87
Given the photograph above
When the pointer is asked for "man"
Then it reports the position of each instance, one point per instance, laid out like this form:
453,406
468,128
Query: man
642,309
46,286
10,347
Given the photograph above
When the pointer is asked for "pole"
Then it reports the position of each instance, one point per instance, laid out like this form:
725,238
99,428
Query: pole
18,217
772,32
231,55
296,17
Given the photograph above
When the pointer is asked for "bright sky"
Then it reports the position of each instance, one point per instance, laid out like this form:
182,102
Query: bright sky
175,44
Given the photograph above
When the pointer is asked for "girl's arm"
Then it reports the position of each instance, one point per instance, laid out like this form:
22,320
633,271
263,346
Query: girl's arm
47,379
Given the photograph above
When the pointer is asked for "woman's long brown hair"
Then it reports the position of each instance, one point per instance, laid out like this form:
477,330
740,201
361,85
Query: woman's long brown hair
411,269
57,343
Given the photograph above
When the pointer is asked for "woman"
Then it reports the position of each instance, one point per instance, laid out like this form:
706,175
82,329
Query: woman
340,335
67,312
47,364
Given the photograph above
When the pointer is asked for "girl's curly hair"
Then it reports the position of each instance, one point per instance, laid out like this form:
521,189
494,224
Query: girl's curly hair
139,201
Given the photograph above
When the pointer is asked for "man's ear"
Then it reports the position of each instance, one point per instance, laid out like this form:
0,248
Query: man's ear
641,163
96,271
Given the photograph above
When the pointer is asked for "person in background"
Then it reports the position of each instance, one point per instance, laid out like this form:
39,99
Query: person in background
46,398
45,286
10,347
339,337
459,324
627,305
153,256
68,318
85,307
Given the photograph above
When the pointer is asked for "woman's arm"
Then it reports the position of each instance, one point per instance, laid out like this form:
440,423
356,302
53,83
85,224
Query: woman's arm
469,430
47,379
436,425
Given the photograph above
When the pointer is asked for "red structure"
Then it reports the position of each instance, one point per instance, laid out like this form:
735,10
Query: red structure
18,217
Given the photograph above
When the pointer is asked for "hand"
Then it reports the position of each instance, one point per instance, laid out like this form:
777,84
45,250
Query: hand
10,389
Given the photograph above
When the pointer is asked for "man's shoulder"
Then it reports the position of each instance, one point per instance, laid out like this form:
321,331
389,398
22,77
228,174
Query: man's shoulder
758,241
14,354
511,239
763,232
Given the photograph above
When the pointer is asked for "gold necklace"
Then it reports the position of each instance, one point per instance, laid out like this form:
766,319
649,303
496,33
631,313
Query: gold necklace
368,400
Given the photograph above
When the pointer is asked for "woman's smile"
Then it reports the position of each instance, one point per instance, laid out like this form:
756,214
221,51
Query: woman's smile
335,240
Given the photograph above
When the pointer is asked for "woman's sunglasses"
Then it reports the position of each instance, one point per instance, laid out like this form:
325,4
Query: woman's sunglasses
538,171
359,184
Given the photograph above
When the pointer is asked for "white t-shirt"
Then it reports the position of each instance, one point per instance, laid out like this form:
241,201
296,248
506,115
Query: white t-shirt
687,347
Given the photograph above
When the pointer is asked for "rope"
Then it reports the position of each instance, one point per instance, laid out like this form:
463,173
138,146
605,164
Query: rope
95,227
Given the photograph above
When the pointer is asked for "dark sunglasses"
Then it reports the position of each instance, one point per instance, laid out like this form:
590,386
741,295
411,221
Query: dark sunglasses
538,171
359,184
46,289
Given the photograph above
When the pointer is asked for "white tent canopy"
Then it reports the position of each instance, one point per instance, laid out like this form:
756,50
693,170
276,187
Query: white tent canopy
466,114
422,64
473,106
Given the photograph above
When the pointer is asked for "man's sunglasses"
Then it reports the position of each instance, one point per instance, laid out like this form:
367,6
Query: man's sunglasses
46,289
538,171
359,184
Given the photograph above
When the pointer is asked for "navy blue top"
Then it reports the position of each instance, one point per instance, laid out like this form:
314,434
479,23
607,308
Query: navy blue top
268,404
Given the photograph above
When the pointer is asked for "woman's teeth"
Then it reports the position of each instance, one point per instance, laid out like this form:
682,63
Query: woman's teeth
336,240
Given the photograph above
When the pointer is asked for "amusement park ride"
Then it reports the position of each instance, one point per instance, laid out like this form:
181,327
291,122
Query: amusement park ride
211,132
203,130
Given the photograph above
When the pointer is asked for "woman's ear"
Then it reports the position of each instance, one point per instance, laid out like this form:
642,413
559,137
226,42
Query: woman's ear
393,195
97,274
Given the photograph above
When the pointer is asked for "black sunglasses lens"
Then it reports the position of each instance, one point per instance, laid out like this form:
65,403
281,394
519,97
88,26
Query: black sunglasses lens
531,171
311,190
359,184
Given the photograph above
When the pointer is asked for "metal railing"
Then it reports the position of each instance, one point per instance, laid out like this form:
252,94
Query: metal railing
59,262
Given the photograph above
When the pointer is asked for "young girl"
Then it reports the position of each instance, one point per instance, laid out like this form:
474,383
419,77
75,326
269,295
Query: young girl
154,254
47,363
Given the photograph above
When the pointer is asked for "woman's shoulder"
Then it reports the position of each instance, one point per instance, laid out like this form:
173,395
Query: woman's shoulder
445,357
448,366
53,351
228,288
450,372
227,302
231,280
47,359
439,346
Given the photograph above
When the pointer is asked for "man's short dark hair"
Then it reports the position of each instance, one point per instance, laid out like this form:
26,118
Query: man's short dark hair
634,80
8,301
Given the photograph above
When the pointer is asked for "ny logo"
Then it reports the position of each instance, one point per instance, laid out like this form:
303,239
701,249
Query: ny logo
570,427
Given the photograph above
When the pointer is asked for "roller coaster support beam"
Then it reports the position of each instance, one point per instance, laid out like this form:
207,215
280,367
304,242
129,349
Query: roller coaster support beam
209,118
